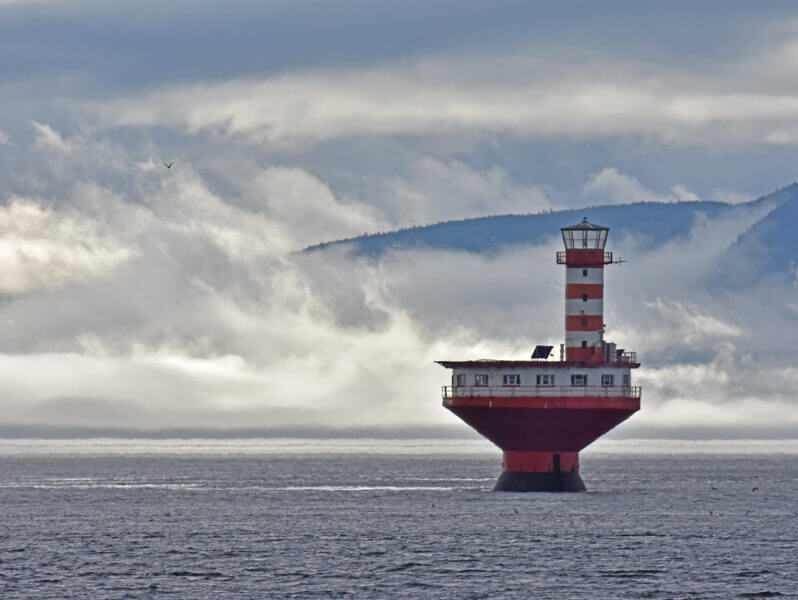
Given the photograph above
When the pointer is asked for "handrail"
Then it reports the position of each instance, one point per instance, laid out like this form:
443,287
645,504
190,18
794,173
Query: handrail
541,391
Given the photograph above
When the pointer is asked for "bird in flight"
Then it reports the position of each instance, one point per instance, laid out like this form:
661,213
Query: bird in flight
168,165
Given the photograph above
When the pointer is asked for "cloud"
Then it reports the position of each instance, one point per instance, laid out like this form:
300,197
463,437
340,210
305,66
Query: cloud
207,356
181,309
306,207
435,190
688,323
42,247
730,197
4,138
612,186
49,138
524,96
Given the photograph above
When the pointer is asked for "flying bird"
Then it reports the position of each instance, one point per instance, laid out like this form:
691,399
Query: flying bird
168,165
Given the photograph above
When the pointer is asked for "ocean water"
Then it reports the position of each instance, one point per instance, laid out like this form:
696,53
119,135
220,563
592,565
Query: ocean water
189,519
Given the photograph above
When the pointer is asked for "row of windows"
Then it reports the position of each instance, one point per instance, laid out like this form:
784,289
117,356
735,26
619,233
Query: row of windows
541,379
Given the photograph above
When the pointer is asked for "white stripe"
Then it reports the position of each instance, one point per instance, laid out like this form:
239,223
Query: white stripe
575,306
574,275
573,339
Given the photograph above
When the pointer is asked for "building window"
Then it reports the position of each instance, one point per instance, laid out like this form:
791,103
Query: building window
584,343
579,379
480,380
584,297
460,379
511,379
545,379
584,272
607,379
584,321
627,379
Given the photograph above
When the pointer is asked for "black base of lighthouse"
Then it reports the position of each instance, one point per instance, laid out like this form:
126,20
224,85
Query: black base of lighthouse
550,481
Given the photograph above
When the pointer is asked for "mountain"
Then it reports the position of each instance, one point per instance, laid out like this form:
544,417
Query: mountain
655,223
769,246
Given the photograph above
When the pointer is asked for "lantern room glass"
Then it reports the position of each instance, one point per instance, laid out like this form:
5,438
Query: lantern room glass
584,238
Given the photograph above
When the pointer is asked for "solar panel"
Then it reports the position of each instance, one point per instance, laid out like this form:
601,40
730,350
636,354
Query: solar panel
542,351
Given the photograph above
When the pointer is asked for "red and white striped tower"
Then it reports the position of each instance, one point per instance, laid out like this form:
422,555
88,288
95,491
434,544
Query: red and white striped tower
584,258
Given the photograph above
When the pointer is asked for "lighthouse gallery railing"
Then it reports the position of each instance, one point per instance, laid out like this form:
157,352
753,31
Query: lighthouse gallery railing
542,391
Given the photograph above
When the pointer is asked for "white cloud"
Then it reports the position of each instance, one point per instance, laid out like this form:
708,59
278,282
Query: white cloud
4,138
289,368
683,194
435,190
42,247
730,197
688,323
307,208
613,187
525,95
49,138
178,309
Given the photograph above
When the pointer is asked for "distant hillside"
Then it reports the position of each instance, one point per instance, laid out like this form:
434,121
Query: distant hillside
656,223
769,246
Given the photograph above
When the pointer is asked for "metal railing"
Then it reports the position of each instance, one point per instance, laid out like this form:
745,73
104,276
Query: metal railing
628,357
541,391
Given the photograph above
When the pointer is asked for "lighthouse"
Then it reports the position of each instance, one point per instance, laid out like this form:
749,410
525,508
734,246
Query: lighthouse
543,412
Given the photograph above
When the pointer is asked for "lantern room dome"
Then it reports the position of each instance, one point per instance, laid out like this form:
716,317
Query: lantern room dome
584,236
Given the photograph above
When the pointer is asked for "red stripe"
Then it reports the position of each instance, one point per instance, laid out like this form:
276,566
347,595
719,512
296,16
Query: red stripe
587,258
547,402
594,291
584,322
539,462
584,354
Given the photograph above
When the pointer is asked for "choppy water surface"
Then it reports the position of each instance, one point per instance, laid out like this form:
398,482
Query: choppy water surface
247,520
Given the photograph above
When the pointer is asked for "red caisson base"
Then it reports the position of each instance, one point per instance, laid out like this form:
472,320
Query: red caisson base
540,472
541,436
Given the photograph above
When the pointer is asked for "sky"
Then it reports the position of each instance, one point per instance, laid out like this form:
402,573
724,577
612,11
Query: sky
136,296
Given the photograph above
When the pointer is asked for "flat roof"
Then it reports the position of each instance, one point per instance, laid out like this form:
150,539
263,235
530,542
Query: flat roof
485,362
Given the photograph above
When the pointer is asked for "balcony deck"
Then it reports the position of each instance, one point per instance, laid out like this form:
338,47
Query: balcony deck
541,391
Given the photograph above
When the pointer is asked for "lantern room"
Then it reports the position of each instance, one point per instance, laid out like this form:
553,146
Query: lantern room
584,236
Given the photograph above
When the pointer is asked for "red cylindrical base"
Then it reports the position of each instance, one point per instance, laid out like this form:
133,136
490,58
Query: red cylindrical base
540,472
540,462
